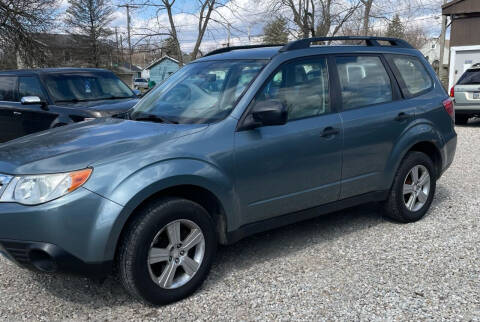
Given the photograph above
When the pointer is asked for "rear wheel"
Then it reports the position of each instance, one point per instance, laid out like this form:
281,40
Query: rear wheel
167,251
461,119
413,188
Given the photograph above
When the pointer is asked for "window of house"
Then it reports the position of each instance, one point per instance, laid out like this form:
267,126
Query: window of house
364,81
302,86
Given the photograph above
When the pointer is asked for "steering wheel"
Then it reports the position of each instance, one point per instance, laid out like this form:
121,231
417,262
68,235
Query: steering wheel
179,93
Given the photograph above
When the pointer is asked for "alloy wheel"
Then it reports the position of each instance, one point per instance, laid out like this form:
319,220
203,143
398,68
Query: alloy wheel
416,188
176,254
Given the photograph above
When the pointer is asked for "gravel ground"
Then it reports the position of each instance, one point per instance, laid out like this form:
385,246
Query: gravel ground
351,265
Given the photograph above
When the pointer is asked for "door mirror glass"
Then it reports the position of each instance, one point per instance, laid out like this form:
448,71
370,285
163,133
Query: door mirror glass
31,100
270,112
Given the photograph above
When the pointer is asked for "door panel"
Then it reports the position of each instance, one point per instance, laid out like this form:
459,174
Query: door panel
34,117
10,120
281,169
291,167
374,118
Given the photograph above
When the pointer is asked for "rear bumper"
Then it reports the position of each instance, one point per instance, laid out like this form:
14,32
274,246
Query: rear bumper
50,258
448,153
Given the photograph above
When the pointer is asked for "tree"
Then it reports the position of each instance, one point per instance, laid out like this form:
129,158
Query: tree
395,28
317,17
276,31
19,21
90,18
366,15
206,8
169,48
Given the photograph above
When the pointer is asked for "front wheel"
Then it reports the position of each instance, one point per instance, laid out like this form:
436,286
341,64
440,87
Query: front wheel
167,251
413,188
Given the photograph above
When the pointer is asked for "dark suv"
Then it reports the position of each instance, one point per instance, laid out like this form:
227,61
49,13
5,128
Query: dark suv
39,99
237,142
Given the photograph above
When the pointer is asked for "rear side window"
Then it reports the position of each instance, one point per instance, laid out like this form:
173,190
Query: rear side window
7,88
470,77
414,75
29,86
364,81
302,86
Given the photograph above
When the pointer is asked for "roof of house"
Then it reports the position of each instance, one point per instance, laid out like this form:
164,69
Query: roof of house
155,62
461,7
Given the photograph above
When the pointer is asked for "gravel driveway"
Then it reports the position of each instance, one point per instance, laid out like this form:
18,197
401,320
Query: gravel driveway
351,265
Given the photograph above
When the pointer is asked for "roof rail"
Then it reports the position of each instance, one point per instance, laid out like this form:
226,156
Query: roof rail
227,49
370,41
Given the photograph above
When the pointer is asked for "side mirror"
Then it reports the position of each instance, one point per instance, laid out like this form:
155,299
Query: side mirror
137,93
33,100
266,113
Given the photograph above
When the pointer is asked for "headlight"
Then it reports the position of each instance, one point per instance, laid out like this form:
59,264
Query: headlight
37,189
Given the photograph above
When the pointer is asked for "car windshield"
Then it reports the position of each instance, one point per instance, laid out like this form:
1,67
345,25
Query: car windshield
140,80
82,87
470,77
202,92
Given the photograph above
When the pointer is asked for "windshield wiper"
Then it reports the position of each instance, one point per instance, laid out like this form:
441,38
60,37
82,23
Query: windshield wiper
153,118
117,97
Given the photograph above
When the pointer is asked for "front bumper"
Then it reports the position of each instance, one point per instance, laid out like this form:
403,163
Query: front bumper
50,258
72,233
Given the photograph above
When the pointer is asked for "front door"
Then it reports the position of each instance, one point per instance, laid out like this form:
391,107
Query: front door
35,118
291,167
10,116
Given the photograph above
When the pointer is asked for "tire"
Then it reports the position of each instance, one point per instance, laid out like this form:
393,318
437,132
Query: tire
461,119
397,205
136,260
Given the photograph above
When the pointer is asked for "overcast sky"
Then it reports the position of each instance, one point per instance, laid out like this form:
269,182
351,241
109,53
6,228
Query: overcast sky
249,16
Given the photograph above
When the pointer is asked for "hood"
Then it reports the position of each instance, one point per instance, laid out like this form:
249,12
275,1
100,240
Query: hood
106,107
83,144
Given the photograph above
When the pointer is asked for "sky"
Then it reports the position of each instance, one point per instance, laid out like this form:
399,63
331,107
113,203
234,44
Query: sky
247,17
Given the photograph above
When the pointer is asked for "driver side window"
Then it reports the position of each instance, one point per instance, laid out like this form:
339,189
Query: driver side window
302,86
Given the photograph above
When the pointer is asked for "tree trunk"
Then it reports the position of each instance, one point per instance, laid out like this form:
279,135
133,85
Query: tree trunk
173,31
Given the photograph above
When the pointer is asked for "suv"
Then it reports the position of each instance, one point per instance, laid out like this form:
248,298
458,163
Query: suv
467,95
237,142
39,99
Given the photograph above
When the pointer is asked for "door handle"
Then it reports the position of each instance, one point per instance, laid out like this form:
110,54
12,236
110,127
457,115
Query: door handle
17,113
329,132
402,116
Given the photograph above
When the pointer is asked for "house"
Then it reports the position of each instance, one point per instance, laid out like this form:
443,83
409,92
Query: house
431,51
464,36
161,69
127,72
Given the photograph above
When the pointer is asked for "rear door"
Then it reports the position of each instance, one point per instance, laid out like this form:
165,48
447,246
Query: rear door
467,91
10,114
374,117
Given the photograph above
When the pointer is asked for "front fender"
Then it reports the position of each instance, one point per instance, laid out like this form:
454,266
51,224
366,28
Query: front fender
419,131
142,184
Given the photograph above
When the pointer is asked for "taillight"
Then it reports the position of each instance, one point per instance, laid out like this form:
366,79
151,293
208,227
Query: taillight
448,104
452,91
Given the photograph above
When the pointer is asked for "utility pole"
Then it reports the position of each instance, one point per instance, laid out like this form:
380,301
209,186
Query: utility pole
116,43
249,34
128,6
229,34
441,71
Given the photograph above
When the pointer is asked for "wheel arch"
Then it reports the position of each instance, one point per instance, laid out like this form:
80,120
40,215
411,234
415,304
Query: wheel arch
421,138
